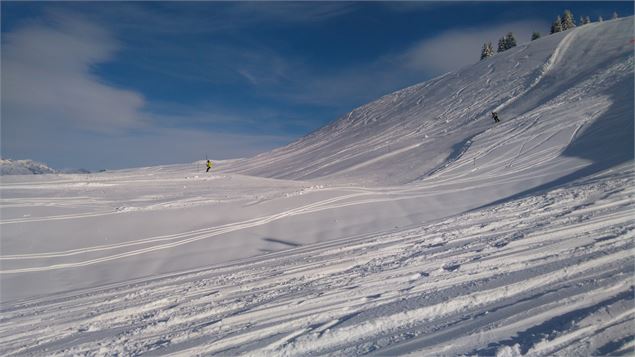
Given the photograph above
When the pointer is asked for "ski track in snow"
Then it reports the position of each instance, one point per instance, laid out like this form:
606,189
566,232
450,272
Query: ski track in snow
547,273
500,277
360,197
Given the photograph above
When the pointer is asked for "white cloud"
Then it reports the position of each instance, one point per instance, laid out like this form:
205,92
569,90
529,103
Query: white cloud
54,105
57,110
364,82
47,77
454,49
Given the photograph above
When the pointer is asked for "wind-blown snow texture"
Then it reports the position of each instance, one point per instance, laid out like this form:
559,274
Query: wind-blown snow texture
411,133
412,225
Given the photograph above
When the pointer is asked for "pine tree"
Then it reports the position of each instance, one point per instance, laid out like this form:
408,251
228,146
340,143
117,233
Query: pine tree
501,45
600,19
557,25
615,16
487,51
535,36
587,19
510,41
567,20
581,21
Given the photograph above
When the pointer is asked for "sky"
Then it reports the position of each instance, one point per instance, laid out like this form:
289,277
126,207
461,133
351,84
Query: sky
107,85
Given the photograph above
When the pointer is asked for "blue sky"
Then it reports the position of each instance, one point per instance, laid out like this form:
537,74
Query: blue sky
125,84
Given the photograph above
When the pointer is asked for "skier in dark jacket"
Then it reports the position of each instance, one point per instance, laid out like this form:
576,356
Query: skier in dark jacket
495,116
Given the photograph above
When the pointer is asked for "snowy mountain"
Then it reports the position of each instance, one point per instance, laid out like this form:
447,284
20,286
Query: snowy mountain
412,225
559,85
30,167
24,167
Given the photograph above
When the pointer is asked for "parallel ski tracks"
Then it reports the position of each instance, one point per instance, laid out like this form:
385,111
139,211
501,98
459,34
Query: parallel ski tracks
346,200
352,295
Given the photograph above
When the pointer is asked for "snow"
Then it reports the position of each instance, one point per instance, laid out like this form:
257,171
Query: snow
30,167
23,167
405,135
412,225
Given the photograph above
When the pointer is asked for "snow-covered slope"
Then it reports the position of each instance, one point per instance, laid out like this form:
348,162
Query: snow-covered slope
23,167
555,86
550,274
501,239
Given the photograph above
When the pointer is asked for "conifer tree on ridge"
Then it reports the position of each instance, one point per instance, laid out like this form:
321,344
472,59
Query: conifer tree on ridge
510,41
501,45
557,25
567,20
487,50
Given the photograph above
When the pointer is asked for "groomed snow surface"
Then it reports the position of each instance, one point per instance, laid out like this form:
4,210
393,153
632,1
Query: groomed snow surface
412,225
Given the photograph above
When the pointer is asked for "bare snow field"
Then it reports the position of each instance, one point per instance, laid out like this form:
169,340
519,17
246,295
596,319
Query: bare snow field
412,225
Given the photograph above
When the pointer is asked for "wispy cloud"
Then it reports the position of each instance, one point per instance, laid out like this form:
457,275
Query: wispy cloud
291,12
218,63
47,76
453,49
445,52
209,17
54,102
55,108
409,6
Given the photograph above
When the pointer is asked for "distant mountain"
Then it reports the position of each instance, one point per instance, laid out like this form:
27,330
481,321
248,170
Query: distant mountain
24,167
74,171
30,167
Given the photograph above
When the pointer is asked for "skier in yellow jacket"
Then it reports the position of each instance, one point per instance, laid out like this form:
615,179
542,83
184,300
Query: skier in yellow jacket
209,165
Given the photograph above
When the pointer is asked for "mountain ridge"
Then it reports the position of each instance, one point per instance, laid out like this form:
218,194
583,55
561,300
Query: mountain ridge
24,167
